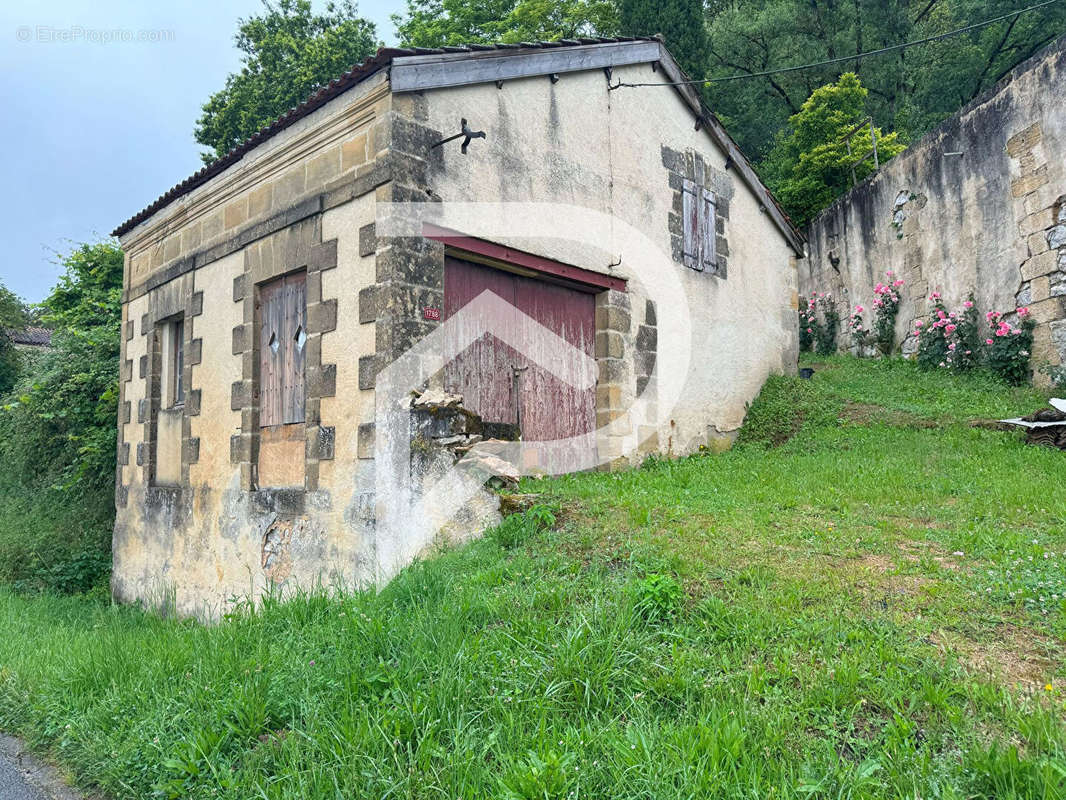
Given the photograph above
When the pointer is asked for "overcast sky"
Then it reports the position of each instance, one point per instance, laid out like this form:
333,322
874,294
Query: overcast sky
92,131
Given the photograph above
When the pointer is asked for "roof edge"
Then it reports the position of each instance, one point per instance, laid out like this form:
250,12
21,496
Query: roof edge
734,155
382,59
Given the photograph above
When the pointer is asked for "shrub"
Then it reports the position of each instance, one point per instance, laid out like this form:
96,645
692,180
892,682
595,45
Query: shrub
808,324
964,340
1008,348
517,529
826,334
856,331
57,435
656,597
819,322
886,308
932,344
952,340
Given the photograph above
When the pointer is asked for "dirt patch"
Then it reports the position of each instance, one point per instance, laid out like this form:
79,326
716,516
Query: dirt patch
886,577
869,414
1016,657
915,552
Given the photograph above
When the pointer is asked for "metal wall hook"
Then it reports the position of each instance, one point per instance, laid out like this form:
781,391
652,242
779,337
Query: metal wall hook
465,134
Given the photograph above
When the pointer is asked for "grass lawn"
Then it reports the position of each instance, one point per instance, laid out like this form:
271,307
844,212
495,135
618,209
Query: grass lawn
870,606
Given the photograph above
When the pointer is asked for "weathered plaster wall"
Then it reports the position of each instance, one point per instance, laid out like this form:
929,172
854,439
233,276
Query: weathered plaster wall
976,205
575,142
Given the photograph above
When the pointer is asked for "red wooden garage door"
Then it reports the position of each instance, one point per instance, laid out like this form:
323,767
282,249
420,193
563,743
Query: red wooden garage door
503,385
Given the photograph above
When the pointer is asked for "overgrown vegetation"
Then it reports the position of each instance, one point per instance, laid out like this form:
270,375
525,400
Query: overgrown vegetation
825,149
57,435
952,340
852,613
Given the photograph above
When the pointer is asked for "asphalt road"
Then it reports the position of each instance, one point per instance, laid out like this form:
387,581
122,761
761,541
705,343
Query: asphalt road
23,777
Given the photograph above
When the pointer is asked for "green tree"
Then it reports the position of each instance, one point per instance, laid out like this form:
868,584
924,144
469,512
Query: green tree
910,90
810,165
439,23
288,52
14,315
681,22
57,434
68,411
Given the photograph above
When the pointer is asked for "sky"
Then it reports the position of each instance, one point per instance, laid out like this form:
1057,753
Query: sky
94,126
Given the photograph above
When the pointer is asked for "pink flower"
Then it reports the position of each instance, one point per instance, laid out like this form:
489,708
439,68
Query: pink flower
810,331
918,323
858,309
950,328
951,346
940,314
968,304
1023,312
897,282
988,341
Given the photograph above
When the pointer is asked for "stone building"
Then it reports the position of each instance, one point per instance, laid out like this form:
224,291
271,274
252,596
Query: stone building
977,205
281,304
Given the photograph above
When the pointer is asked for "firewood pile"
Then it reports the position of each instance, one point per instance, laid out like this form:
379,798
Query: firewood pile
1046,427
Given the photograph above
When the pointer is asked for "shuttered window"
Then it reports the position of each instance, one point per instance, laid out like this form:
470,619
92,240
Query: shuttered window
698,227
172,386
282,342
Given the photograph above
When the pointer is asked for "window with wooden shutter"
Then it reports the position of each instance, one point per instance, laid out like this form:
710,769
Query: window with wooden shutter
172,386
708,253
690,211
282,342
699,249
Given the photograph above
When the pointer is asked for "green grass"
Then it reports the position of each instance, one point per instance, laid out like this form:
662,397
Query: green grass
851,613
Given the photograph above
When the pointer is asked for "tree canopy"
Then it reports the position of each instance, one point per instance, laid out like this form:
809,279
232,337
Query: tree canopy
815,161
910,90
681,23
288,52
439,23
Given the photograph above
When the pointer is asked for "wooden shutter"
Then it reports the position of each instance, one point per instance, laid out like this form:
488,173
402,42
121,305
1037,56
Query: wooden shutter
690,214
282,342
708,250
295,321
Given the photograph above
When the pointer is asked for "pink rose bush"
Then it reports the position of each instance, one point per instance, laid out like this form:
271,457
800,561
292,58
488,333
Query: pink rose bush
886,309
819,322
953,340
856,330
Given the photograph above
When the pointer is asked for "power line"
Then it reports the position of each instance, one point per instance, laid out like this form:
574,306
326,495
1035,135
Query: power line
892,48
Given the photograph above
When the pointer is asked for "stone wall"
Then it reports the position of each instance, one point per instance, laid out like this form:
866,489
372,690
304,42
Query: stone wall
976,205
